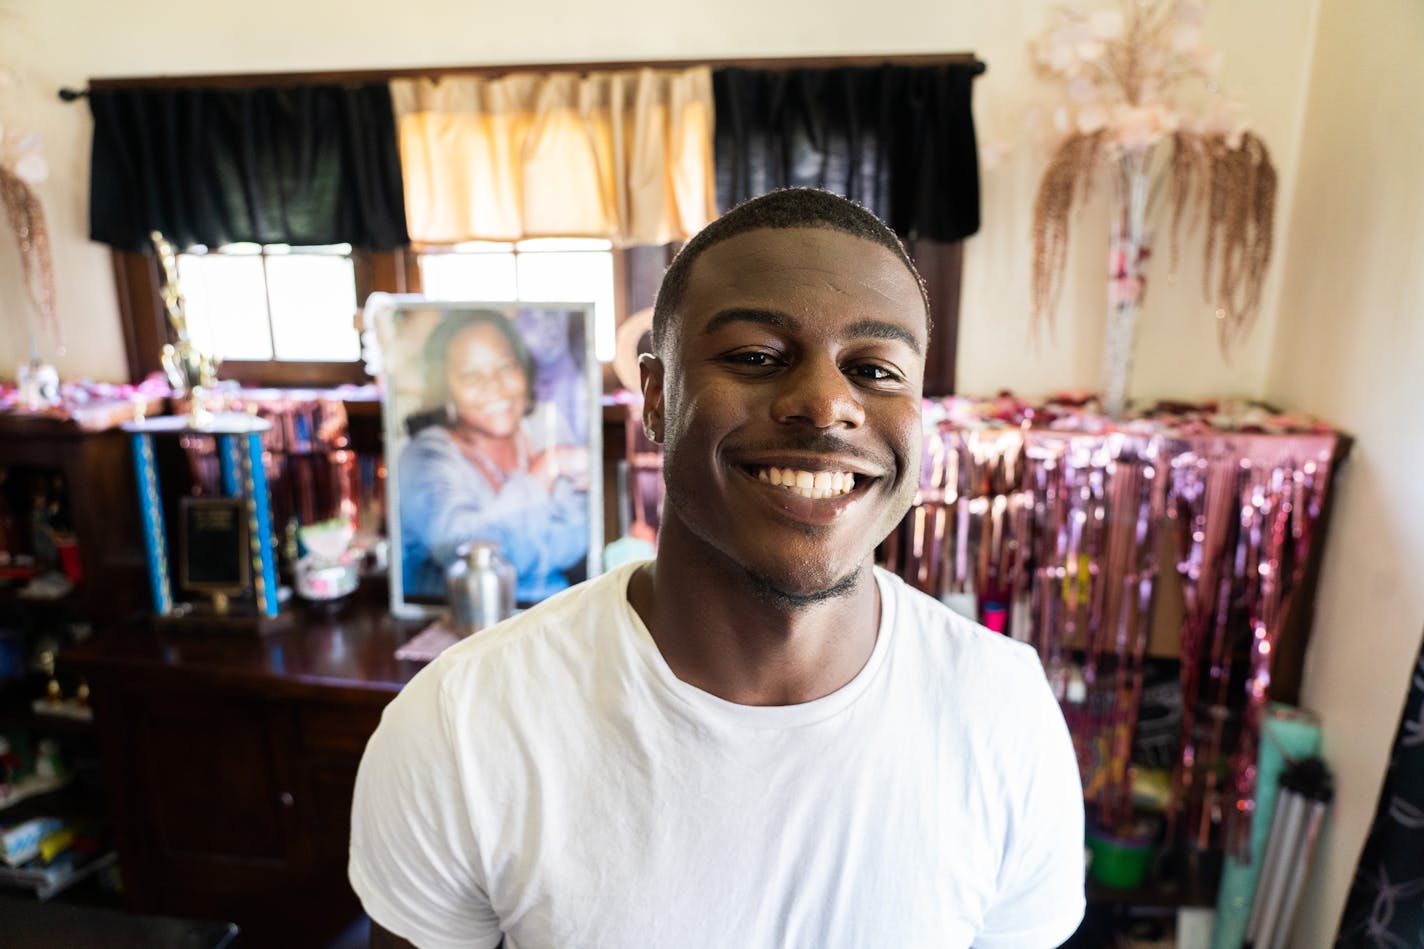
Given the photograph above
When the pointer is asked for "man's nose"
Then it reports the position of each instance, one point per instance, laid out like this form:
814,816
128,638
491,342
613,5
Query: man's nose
816,392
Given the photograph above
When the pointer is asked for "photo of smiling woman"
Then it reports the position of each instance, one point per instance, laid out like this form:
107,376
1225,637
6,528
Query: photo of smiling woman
487,461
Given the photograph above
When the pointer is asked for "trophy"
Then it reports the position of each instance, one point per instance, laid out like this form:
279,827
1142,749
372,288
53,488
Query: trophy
189,370
224,544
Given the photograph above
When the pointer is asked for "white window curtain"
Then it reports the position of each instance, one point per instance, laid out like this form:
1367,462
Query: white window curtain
621,155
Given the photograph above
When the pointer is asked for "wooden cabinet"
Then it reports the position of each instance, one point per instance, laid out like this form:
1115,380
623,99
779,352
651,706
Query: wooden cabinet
96,470
229,767
66,500
206,776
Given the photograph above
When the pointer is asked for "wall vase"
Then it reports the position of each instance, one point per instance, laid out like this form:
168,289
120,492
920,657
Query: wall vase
1128,252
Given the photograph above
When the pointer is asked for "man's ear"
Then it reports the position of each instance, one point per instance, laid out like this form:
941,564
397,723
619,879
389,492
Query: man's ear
650,373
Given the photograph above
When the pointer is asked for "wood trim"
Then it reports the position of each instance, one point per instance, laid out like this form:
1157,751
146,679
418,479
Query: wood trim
255,80
292,374
621,296
141,314
941,266
363,273
394,271
390,271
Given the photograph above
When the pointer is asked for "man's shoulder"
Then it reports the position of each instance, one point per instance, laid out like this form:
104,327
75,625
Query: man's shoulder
529,678
933,626
988,687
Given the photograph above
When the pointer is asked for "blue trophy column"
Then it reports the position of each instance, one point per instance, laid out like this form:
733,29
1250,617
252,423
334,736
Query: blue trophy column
264,564
155,540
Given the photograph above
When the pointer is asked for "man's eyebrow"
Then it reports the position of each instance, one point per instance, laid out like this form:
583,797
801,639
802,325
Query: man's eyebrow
749,315
880,329
860,329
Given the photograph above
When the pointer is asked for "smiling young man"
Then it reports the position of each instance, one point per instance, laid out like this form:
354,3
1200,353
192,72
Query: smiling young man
758,739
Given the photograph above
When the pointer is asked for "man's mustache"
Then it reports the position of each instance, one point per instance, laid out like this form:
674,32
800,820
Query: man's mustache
819,443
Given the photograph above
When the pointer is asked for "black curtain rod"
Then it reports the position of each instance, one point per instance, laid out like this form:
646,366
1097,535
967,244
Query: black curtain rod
250,80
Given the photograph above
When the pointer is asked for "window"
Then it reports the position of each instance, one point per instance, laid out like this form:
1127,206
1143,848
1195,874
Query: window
276,312
256,303
553,270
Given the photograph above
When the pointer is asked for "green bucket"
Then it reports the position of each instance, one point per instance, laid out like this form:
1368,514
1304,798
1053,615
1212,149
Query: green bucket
1119,861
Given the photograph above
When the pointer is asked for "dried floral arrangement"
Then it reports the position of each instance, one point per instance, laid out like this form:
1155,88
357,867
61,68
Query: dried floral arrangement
21,166
1125,76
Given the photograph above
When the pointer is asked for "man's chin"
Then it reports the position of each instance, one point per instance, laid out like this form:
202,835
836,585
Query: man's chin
801,592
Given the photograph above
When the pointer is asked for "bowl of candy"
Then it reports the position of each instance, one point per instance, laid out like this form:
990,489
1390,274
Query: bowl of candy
330,568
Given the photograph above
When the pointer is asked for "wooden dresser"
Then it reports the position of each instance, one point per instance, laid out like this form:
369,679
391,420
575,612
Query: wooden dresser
229,764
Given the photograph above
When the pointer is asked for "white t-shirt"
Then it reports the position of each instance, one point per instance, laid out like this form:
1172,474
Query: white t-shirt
551,779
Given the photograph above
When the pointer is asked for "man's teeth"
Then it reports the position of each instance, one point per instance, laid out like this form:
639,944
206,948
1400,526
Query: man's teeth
809,484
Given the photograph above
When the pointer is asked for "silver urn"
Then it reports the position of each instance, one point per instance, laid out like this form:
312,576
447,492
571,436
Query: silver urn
480,585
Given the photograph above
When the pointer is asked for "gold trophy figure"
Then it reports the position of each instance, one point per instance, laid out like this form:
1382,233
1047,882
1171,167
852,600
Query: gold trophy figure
189,370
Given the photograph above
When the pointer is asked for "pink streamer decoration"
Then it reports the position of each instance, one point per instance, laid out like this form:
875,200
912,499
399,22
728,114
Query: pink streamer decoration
1246,508
1056,514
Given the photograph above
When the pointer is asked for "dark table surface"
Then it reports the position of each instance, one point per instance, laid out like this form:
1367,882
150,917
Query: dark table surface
351,650
27,924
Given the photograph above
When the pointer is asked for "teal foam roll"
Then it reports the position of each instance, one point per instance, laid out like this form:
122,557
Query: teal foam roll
1287,732
626,550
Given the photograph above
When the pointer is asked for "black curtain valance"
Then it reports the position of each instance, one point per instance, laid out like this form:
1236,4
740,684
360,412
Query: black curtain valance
314,164
897,139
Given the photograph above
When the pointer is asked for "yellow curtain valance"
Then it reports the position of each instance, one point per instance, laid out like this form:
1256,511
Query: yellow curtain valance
622,155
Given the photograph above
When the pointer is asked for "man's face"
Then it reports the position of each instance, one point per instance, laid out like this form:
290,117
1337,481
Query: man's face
797,356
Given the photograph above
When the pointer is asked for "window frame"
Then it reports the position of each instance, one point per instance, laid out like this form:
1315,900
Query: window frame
145,322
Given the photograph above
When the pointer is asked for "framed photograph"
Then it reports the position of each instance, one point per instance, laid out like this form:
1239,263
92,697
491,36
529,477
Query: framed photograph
493,430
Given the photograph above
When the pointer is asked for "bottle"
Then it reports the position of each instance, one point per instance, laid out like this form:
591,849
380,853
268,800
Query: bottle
480,584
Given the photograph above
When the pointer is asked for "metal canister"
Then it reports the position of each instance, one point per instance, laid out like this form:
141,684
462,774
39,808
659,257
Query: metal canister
480,584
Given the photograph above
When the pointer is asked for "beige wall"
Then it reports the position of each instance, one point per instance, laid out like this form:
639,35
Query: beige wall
1350,347
1348,231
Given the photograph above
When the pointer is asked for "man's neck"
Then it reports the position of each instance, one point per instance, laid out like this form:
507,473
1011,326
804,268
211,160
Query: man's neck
718,631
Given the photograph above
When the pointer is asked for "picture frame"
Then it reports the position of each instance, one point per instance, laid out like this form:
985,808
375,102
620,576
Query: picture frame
492,418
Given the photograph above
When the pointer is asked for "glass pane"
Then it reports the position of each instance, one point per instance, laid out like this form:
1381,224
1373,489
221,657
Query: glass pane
482,247
468,276
225,300
573,278
313,308
321,250
537,245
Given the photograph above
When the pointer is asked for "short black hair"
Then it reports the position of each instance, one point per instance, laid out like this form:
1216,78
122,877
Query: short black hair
784,208
437,346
